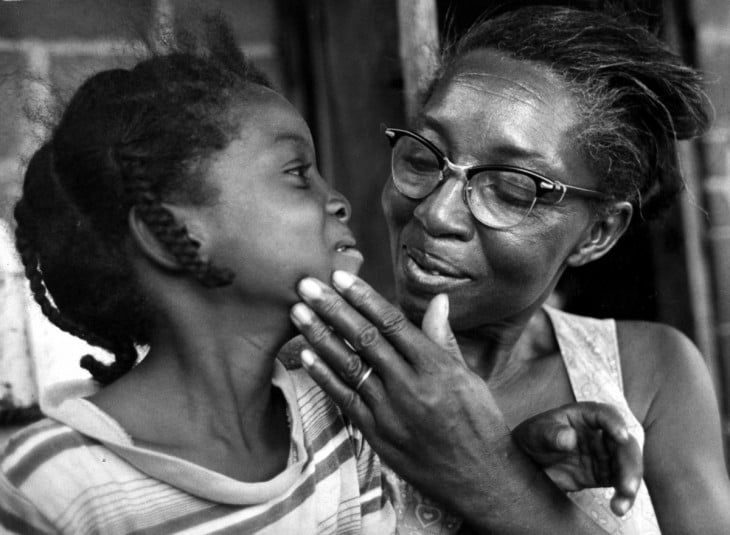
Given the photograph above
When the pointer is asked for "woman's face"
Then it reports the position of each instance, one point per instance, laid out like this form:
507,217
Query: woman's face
490,110
276,219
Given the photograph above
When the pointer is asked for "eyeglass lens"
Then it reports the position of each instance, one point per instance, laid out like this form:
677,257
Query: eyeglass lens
497,198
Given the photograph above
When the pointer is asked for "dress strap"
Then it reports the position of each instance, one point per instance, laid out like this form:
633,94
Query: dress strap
589,348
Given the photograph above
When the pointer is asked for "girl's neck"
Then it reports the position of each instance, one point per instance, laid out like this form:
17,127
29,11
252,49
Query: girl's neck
204,391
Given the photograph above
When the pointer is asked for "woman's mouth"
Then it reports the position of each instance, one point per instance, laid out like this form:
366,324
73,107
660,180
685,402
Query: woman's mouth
428,272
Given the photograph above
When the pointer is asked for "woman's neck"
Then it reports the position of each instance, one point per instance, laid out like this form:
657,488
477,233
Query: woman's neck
497,353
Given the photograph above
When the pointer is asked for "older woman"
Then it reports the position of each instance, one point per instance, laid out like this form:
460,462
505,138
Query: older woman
544,131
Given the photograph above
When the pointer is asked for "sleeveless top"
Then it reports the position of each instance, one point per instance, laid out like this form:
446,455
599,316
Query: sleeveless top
589,348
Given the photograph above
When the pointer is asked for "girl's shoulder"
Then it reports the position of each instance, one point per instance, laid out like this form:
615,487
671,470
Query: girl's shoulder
49,450
37,462
36,444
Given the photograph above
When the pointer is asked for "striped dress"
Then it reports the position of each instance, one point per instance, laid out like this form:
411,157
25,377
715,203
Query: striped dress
78,472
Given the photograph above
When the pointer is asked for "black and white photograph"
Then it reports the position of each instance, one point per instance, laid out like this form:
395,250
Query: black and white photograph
378,267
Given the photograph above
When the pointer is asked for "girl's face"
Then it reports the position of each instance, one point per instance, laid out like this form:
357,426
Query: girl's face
276,219
490,110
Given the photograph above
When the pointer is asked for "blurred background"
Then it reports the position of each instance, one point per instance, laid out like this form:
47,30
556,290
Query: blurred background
350,67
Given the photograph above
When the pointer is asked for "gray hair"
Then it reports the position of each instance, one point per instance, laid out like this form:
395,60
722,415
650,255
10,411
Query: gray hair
635,98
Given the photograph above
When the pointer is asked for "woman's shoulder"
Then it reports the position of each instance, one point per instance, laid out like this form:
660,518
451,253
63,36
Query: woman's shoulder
655,351
656,358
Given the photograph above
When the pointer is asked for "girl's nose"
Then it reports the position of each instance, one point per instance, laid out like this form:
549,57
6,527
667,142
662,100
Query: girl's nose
443,213
338,206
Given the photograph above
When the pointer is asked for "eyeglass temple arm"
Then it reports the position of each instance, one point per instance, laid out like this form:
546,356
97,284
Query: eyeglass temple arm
564,189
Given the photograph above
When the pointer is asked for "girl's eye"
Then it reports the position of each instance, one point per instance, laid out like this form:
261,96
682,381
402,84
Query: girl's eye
300,172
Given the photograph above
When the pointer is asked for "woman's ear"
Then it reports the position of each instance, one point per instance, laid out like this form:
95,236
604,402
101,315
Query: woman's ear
602,235
148,243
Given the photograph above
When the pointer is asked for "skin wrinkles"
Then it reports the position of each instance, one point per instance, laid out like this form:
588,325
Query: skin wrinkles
492,139
534,96
515,268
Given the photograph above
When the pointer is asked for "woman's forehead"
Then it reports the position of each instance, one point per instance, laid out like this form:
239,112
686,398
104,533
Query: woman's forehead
488,106
485,76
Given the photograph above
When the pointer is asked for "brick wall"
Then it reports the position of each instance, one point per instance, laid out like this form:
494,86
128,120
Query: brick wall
46,49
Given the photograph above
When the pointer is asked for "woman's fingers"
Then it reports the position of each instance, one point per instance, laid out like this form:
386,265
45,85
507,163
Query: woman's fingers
608,419
335,351
390,321
436,327
628,471
350,401
365,332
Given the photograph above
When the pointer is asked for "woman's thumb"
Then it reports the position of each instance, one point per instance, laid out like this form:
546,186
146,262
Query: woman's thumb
436,326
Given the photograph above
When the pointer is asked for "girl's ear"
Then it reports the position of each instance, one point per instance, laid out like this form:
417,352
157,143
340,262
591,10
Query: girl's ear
602,235
151,247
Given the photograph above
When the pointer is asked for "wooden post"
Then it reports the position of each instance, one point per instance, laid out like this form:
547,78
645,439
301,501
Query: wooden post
419,45
698,265
717,191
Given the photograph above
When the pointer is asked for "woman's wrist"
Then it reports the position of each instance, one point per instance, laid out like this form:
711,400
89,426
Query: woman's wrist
516,496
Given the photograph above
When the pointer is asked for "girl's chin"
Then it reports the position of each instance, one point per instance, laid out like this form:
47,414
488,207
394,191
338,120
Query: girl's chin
349,263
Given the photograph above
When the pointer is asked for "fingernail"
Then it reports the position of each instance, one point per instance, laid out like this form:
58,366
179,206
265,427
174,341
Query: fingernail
622,504
301,314
444,304
623,434
310,288
307,357
342,279
565,440
634,485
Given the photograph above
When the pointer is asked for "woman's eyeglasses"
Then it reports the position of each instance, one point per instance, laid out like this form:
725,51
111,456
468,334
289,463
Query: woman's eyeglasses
499,196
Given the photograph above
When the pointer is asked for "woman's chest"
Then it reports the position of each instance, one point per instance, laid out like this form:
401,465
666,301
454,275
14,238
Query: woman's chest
540,386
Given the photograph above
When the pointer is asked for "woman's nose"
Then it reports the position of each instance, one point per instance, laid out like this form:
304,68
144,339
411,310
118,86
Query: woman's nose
338,205
443,212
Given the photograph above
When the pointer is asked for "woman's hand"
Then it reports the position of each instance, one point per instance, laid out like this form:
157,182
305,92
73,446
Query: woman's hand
421,408
585,445
425,412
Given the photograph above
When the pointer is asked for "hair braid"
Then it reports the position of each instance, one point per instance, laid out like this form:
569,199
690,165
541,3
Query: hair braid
128,139
173,236
124,360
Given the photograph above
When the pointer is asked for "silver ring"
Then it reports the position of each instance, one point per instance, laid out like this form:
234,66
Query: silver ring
363,378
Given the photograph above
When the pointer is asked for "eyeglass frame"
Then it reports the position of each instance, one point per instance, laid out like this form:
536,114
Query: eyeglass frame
543,184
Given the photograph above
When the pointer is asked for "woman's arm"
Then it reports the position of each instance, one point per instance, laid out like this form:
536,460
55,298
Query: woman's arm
684,465
427,414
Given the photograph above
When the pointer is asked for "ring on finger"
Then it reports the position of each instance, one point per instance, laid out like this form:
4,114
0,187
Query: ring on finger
363,378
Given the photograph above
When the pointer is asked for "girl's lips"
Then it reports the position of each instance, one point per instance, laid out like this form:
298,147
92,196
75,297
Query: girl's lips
348,258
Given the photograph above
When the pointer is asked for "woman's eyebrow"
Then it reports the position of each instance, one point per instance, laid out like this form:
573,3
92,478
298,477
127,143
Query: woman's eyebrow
513,151
503,150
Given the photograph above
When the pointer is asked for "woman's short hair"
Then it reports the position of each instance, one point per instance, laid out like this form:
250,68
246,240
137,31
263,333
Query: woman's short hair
635,98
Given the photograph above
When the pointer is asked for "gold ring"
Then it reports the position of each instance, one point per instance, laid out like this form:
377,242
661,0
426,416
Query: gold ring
363,378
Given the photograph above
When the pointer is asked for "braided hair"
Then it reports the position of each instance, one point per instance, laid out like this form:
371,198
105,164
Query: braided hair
128,139
635,98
